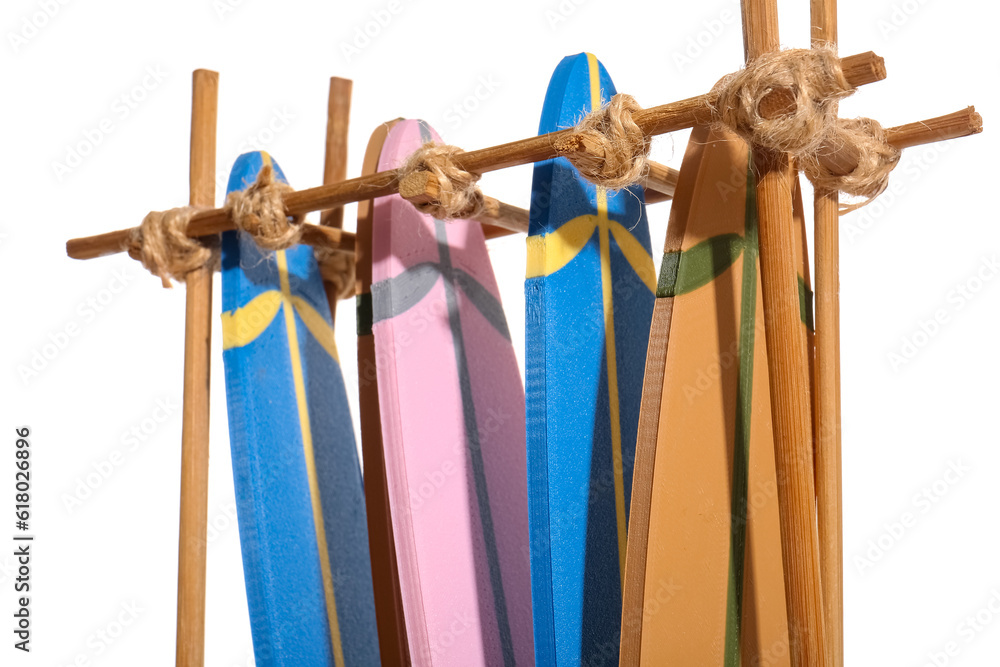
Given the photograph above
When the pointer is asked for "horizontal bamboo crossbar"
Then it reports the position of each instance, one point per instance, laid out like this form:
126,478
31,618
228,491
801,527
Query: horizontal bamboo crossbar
843,160
950,126
508,219
500,218
859,70
422,187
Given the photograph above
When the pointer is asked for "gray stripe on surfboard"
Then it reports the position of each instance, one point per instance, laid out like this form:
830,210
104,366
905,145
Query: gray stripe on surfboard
394,296
475,450
472,434
484,302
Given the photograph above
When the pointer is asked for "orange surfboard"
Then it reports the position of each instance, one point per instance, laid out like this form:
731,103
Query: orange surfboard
703,577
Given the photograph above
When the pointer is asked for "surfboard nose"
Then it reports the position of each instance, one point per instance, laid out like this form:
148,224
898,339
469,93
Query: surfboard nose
246,168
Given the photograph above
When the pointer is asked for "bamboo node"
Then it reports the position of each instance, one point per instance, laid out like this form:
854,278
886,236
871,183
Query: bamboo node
458,196
163,247
608,147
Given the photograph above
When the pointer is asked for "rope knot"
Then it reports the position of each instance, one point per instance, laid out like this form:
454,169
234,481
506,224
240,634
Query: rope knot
783,100
259,211
161,243
607,147
459,196
338,269
876,159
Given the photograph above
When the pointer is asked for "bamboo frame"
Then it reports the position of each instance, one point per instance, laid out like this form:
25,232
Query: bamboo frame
951,126
860,69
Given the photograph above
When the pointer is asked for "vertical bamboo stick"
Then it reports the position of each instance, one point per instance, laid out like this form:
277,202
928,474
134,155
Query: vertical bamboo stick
338,115
788,370
827,383
194,434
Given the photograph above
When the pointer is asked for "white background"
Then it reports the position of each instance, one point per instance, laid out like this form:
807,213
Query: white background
902,259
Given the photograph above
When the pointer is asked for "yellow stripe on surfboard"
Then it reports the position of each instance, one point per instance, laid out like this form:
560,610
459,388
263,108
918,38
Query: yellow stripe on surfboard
307,445
607,290
551,252
244,325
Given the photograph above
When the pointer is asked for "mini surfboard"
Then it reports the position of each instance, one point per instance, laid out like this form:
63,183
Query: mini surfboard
704,578
588,301
452,414
299,497
385,575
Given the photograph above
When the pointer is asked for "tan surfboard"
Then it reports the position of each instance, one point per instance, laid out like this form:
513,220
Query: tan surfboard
703,576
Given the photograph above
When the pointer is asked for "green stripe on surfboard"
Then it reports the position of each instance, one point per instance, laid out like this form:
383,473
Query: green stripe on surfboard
741,446
685,271
806,304
363,303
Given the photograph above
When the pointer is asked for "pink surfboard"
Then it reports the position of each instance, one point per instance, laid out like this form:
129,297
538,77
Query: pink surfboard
452,413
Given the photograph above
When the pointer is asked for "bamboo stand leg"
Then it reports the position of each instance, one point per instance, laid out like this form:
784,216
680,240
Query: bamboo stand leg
335,165
827,400
788,369
194,438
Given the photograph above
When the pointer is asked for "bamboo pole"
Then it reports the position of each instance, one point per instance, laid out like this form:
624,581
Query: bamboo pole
423,187
827,448
788,371
338,115
194,433
941,128
660,182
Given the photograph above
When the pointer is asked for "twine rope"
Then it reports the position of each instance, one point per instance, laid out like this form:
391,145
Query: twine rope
160,242
460,197
259,212
607,147
813,78
876,159
816,83
162,245
338,268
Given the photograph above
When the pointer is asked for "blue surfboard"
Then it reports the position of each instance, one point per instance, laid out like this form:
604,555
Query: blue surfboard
299,494
589,298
